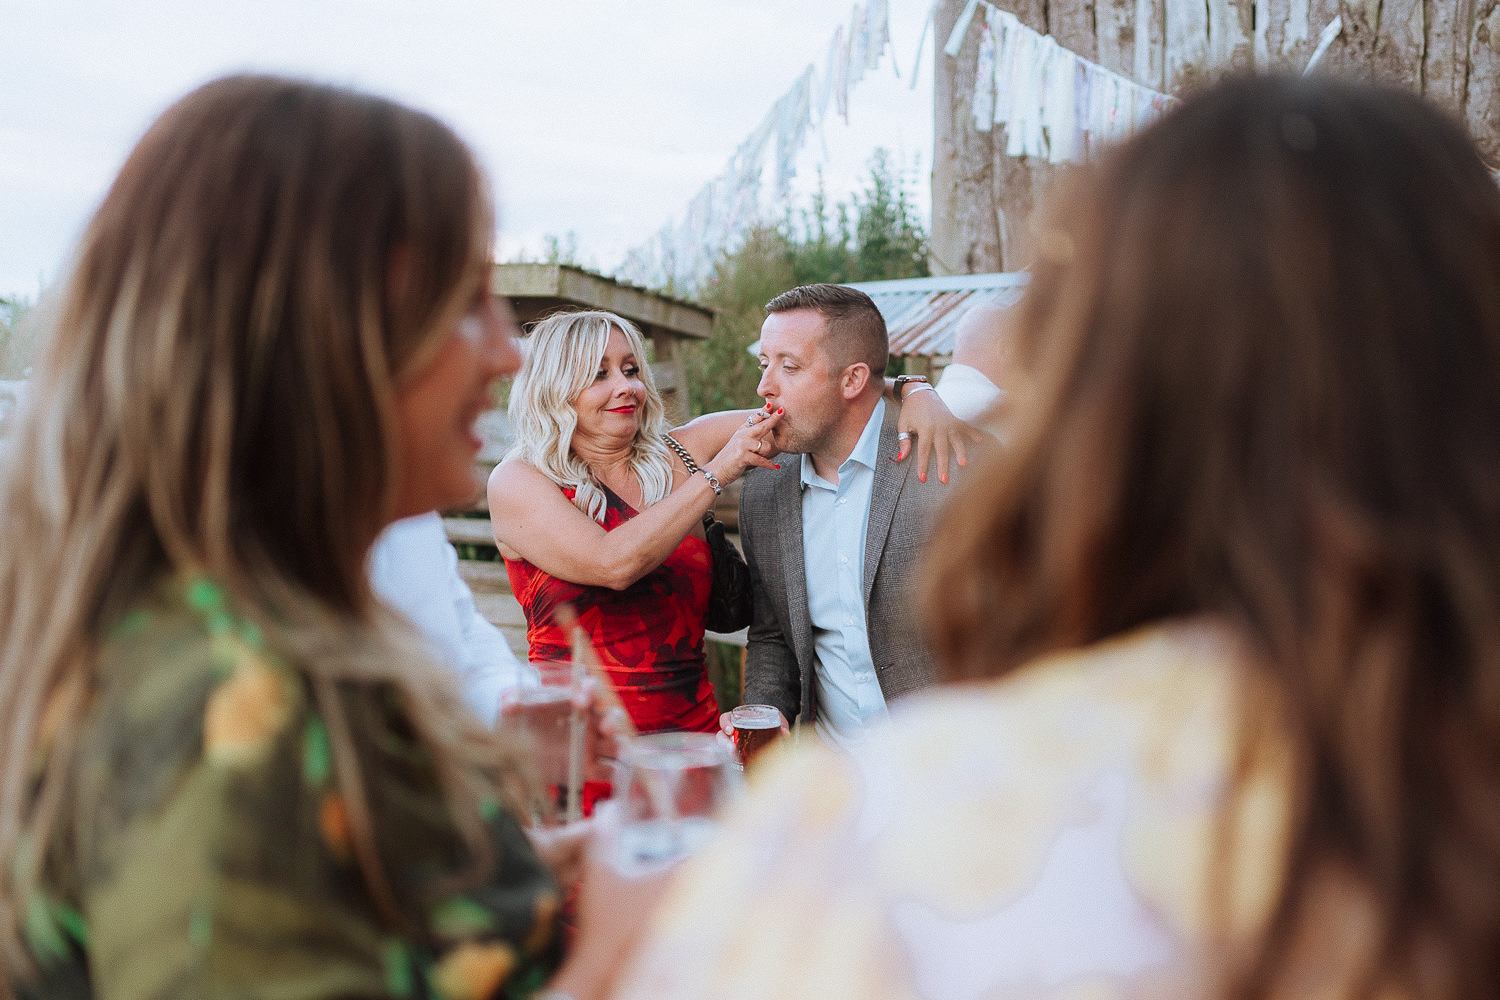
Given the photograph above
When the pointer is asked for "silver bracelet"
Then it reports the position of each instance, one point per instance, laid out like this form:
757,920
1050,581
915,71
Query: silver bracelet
713,482
917,387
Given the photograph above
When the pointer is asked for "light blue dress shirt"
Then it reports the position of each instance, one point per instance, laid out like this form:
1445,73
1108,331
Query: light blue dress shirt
834,519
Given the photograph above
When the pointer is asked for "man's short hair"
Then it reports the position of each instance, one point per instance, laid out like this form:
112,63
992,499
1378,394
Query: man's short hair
856,330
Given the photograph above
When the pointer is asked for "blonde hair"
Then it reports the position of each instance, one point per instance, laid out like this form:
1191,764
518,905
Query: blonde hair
218,397
563,354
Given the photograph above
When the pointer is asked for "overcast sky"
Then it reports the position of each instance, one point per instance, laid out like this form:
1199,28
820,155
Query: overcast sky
601,118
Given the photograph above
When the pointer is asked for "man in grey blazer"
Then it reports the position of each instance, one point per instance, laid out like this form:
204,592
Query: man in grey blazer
834,539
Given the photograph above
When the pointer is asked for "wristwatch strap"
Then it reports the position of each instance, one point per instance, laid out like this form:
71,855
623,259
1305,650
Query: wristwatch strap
903,380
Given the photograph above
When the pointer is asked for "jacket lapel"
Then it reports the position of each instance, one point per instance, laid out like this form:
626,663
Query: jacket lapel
890,476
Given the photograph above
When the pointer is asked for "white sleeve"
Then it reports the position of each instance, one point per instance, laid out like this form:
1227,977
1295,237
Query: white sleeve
489,667
415,569
967,391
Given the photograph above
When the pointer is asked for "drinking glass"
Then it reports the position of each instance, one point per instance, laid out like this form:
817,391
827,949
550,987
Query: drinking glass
756,727
551,727
673,784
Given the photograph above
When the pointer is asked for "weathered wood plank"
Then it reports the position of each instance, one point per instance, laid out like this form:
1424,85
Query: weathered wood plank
501,609
965,236
469,531
1289,35
1400,36
484,577
1349,55
1150,26
1482,101
1446,49
1187,44
1114,22
1229,36
1072,24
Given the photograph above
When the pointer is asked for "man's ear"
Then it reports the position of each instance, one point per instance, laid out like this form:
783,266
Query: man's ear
852,383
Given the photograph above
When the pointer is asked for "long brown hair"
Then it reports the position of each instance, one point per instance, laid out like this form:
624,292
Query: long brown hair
217,396
1260,380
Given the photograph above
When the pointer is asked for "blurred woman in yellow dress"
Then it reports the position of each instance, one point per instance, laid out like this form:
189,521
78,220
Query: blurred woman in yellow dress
1222,622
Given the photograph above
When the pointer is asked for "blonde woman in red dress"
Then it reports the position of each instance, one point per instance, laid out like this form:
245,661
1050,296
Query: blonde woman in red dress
591,509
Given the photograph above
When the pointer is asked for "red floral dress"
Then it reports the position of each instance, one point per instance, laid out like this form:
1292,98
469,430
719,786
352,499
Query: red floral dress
649,637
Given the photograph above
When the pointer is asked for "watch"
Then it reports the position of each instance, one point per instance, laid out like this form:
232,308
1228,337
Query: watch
901,381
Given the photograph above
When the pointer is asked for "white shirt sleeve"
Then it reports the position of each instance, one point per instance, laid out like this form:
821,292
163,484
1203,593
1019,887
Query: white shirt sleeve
967,391
415,570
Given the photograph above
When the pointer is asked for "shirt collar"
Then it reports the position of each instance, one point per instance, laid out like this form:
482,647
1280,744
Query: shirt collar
866,450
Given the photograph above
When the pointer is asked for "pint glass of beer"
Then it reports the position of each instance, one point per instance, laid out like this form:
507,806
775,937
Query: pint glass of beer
755,728
549,726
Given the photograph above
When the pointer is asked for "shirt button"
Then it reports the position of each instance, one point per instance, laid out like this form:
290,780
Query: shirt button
848,621
843,559
843,499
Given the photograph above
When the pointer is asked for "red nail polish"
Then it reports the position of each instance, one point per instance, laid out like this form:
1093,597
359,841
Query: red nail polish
778,466
922,478
942,479
782,410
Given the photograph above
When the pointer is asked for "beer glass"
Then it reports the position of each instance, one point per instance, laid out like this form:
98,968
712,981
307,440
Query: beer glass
673,787
756,727
551,728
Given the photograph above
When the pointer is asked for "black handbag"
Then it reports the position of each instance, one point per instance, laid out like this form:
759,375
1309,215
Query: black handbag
730,601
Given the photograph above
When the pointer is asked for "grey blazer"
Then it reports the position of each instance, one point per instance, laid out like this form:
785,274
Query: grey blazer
779,662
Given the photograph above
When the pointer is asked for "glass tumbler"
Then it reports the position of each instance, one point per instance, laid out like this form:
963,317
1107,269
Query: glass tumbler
673,786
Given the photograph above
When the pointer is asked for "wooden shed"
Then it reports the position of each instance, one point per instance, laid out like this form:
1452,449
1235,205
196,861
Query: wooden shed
922,314
536,291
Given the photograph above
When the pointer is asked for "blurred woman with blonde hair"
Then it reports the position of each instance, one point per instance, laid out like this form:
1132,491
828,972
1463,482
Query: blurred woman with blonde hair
228,770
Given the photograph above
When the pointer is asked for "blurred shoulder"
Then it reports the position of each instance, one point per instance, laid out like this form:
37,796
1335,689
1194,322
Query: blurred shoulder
1093,702
185,679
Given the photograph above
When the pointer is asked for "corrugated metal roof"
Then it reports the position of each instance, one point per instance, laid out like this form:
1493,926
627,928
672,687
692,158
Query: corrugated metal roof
922,314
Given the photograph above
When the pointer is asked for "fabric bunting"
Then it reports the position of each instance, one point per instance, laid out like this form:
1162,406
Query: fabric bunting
877,35
858,46
1053,104
841,75
927,28
682,254
791,132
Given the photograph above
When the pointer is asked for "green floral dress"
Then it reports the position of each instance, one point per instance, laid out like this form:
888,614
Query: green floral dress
205,850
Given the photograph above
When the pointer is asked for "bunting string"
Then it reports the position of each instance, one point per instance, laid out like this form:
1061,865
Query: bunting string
1054,104
682,253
